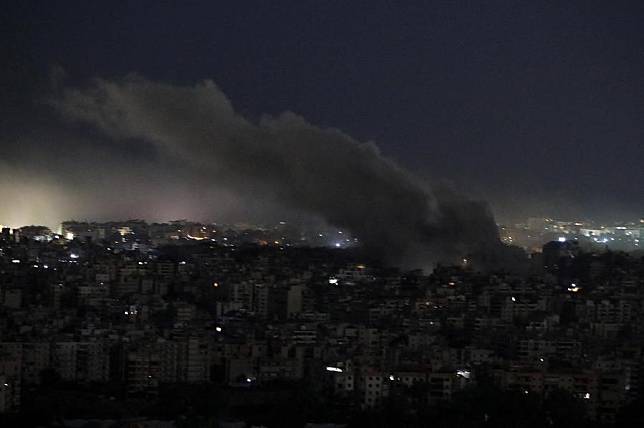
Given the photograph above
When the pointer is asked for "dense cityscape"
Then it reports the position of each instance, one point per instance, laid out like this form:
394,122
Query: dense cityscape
534,232
322,214
188,324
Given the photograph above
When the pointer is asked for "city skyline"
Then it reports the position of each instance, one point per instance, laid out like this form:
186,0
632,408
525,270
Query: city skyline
322,214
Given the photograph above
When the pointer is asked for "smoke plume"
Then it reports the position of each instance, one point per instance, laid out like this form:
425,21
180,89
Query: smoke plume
323,172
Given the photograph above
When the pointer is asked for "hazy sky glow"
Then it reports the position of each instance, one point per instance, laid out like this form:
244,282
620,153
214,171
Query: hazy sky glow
533,106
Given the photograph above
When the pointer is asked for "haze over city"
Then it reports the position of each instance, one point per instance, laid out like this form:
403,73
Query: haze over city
321,214
533,107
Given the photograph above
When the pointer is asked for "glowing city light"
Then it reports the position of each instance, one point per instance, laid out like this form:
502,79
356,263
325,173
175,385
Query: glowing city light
463,373
574,288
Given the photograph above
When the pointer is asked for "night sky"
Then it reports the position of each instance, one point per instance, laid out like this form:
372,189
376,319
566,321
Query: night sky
536,107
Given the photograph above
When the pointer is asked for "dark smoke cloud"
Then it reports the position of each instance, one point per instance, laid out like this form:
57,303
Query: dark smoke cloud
323,172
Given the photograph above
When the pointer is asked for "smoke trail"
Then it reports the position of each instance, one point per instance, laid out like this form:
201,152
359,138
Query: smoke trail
320,171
